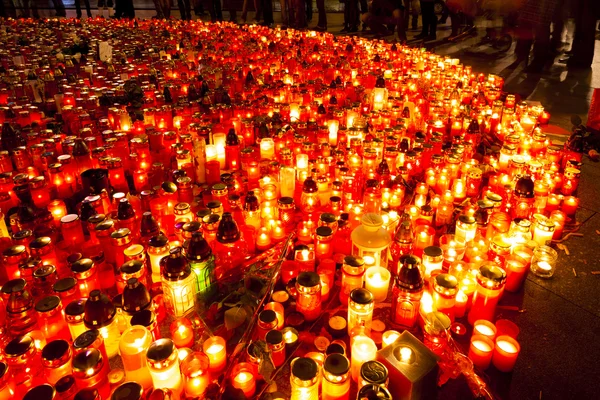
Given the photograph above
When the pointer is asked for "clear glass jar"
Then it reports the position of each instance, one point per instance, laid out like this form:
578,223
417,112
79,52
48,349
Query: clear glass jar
178,283
195,370
163,362
543,229
407,293
287,212
445,287
353,271
132,348
120,240
335,384
499,250
304,379
466,228
371,241
360,311
308,301
202,262
324,245
56,360
183,213
90,372
490,285
543,263
44,278
51,320
309,201
433,259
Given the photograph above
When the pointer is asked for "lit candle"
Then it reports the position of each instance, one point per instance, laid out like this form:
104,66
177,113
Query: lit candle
215,349
263,240
195,370
481,351
333,126
182,333
484,328
377,281
516,271
279,311
163,362
243,378
460,307
506,353
390,337
505,327
132,346
267,148
570,205
287,181
490,285
363,349
58,209
543,229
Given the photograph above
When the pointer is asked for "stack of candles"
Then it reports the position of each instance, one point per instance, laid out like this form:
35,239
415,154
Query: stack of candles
366,150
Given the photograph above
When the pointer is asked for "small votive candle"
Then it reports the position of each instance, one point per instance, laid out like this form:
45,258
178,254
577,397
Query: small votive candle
182,333
484,328
390,337
215,349
570,205
506,353
481,351
195,369
363,349
505,327
377,281
242,377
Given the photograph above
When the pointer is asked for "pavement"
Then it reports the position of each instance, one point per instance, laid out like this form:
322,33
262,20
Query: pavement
559,318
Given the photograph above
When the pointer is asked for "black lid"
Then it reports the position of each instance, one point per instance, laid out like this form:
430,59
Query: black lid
48,303
64,284
86,339
335,348
55,349
197,248
99,310
159,240
3,369
308,279
524,187
336,364
354,261
44,271
131,267
467,219
228,231
192,226
274,337
374,372
310,186
128,391
14,285
87,394
305,368
493,273
18,346
168,187
82,265
433,251
144,318
328,217
135,296
446,281
409,275
286,200
175,267
76,307
41,392
324,231
374,392
65,383
160,350
15,250
267,316
361,296
40,242
86,359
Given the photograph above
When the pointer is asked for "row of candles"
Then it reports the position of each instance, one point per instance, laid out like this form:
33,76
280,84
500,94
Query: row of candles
376,166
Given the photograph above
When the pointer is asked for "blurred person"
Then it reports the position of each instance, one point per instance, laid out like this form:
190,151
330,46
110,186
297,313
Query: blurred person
364,8
185,9
587,13
322,22
105,5
198,8
124,9
428,31
297,11
462,16
88,8
413,14
533,31
215,10
59,7
163,9
383,13
309,10
257,10
351,17
267,7
559,19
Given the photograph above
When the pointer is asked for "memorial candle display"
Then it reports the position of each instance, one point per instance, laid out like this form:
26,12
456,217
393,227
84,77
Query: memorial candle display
328,154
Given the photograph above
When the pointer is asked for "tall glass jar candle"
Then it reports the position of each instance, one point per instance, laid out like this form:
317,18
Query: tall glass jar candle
466,228
276,343
242,377
89,371
445,287
360,311
490,285
353,271
100,314
308,302
335,384
56,360
163,362
407,293
74,313
324,245
543,229
51,320
20,355
363,349
179,283
91,339
304,379
158,247
133,346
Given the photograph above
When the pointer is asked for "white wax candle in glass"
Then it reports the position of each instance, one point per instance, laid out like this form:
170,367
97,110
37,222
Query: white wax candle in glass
363,349
215,349
377,281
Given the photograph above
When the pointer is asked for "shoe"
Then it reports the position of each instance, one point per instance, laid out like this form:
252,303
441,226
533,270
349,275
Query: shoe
431,38
344,30
320,28
364,28
421,36
353,29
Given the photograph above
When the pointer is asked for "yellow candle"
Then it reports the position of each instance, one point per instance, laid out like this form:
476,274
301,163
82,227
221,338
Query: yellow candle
377,281
363,349
132,346
267,148
216,352
390,337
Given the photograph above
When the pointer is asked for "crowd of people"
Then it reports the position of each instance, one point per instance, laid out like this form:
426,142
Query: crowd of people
538,25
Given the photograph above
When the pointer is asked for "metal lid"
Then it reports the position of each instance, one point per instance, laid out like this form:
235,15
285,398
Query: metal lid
40,243
308,279
19,346
305,368
144,318
14,285
158,241
354,261
374,372
86,339
446,281
493,273
65,384
82,266
41,392
76,307
328,217
324,231
44,271
64,284
86,360
175,267
128,391
56,353
160,350
361,296
433,251
374,392
228,231
87,394
131,267
48,303
336,364
466,219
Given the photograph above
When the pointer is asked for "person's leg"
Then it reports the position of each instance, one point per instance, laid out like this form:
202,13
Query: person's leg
284,12
59,7
181,9
432,21
558,25
584,40
425,18
78,9
188,9
399,16
258,10
524,35
299,14
351,16
309,10
322,22
158,8
245,5
268,12
88,8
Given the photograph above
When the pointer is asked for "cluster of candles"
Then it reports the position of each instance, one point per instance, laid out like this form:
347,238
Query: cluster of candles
374,155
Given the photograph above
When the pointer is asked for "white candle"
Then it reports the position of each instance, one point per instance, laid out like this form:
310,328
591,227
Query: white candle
132,346
211,152
363,349
377,281
333,131
216,352
389,337
267,148
287,181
